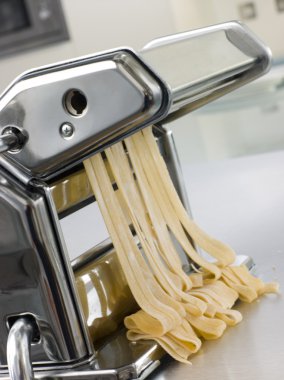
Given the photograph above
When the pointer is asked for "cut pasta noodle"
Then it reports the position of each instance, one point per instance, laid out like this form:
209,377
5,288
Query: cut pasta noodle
177,309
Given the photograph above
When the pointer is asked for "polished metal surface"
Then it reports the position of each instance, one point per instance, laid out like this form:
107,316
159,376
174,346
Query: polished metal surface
106,97
69,273
267,89
33,278
7,142
202,65
73,191
105,296
241,202
170,155
67,112
118,92
19,350
116,357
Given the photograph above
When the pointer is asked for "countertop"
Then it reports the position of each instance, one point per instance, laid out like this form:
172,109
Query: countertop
241,201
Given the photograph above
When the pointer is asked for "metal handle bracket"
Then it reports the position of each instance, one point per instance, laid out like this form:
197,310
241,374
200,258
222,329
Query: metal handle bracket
19,350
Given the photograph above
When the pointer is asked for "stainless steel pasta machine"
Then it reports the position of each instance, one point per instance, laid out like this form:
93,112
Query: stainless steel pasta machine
63,319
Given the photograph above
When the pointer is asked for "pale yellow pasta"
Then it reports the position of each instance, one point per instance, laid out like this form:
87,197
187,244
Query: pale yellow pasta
139,159
177,309
224,254
128,253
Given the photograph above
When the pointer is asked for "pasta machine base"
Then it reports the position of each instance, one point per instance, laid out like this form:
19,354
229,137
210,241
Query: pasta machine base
136,360
119,359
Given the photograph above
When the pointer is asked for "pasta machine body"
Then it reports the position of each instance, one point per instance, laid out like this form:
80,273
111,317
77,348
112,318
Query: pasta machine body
53,118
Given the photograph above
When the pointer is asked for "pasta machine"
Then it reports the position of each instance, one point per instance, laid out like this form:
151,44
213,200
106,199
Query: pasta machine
63,318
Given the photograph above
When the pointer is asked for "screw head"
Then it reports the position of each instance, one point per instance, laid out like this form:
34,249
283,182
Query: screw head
67,131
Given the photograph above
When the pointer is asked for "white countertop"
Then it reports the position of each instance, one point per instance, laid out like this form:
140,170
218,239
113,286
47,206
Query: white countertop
241,201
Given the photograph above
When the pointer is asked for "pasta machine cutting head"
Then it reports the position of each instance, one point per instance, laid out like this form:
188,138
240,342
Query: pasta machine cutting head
52,310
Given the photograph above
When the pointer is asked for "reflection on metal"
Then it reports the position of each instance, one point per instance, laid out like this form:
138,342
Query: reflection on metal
122,95
266,91
105,296
19,350
33,276
74,191
71,191
7,142
204,64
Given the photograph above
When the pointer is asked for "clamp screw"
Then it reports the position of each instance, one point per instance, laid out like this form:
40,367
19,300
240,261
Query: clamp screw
67,130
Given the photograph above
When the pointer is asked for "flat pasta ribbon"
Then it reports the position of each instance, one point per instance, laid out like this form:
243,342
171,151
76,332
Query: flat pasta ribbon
177,309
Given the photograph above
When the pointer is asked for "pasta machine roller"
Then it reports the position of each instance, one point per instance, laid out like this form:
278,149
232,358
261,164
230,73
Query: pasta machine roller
62,318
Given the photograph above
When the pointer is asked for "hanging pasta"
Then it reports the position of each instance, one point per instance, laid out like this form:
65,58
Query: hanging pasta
176,309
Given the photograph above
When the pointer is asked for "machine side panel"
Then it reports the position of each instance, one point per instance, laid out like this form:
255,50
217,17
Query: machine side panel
33,280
